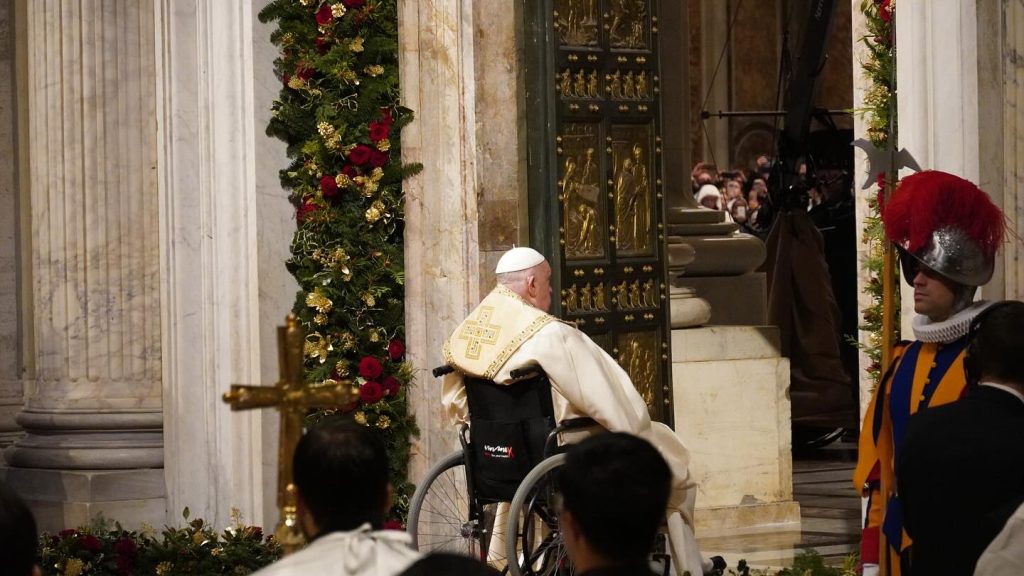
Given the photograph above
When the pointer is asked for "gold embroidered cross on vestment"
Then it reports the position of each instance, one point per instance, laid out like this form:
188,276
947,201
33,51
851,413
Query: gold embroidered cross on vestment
479,331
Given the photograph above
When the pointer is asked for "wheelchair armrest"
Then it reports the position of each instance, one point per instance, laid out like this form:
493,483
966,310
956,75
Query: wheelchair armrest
566,426
525,372
575,424
442,370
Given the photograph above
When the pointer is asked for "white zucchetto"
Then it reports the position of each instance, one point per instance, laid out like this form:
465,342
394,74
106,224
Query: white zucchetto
516,259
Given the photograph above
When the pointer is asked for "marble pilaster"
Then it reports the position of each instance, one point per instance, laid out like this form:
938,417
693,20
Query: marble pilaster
937,84
225,227
437,64
10,317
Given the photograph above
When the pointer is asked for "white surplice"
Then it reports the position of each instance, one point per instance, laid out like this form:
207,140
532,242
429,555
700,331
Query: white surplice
585,381
360,552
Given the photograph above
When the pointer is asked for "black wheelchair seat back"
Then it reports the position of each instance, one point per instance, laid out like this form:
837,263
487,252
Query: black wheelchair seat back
509,425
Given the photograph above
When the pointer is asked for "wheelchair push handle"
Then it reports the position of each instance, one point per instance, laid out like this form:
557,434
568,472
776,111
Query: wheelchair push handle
442,370
516,374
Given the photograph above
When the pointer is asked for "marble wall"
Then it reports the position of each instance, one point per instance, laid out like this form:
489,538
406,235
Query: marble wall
275,222
442,248
500,133
1001,130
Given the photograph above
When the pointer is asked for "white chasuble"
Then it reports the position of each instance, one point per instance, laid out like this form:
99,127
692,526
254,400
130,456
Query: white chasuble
585,380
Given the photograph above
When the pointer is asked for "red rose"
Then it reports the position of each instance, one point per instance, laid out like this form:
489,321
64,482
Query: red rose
323,45
353,3
370,392
396,349
285,79
370,368
360,154
125,546
328,186
304,71
378,158
350,171
393,525
390,384
90,543
304,211
881,180
324,15
386,117
885,10
378,130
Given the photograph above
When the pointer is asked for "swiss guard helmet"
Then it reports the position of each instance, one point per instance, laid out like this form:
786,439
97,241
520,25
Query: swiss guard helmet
946,224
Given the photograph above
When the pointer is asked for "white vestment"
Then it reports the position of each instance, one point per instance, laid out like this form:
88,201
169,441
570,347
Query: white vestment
585,381
1005,555
360,552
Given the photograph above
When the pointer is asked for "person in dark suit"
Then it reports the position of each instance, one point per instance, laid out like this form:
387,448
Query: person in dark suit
961,471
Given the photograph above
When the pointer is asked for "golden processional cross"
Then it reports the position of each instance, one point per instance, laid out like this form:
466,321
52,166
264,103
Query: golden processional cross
292,398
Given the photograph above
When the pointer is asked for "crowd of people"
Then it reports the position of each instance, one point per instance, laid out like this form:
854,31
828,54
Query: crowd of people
739,193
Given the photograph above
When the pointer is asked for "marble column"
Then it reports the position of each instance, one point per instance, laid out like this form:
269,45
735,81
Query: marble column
436,55
10,269
225,229
94,401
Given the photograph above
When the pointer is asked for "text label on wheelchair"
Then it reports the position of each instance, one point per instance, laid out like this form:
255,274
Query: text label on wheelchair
498,451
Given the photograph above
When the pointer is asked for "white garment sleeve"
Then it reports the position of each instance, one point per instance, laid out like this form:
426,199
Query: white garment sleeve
586,376
453,399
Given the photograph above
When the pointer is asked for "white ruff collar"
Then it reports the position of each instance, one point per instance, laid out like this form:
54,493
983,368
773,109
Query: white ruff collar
949,329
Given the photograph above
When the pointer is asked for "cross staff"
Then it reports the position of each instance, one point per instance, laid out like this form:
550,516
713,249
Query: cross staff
292,398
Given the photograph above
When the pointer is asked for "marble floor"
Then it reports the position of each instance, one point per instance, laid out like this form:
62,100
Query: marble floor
829,510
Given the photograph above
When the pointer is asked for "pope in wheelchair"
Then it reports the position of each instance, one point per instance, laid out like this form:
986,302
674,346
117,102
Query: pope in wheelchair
511,332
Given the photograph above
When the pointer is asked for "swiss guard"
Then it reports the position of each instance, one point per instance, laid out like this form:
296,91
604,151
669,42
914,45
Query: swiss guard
946,232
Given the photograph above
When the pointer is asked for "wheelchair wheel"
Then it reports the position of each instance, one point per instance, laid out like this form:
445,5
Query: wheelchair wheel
441,518
439,513
537,548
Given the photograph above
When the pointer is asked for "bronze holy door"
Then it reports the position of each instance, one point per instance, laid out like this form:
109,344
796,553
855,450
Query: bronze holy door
596,198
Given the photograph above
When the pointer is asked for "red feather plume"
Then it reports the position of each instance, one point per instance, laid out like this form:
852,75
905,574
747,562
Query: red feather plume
928,201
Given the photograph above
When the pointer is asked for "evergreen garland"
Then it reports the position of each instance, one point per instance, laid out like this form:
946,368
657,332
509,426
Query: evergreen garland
340,115
879,112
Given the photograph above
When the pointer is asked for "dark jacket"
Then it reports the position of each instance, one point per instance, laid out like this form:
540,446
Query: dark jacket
960,476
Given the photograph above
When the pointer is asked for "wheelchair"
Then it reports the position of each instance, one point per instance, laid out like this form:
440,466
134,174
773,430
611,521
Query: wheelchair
495,498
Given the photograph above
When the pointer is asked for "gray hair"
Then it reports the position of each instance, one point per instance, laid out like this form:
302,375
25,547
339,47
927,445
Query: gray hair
514,278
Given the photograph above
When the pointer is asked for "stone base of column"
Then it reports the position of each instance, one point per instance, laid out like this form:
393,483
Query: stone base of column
780,518
730,391
735,300
62,499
